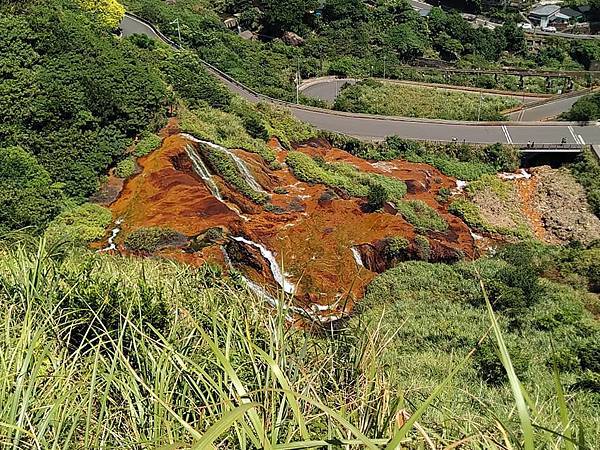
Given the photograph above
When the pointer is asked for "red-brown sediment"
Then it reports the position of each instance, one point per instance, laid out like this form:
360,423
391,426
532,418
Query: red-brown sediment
311,236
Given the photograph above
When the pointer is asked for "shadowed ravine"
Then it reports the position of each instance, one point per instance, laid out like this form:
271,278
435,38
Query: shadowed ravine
315,245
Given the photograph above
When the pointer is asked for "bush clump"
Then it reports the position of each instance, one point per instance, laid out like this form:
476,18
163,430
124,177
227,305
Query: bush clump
80,224
396,247
422,216
463,161
422,248
347,177
151,239
222,164
147,144
126,167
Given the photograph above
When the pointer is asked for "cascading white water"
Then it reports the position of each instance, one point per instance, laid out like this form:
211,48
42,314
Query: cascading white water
460,185
357,257
239,162
201,169
111,239
313,313
278,276
523,174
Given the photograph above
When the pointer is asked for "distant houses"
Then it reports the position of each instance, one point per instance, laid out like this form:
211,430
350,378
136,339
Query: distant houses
546,16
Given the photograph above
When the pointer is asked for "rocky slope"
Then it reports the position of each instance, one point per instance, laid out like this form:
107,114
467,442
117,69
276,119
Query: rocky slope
309,239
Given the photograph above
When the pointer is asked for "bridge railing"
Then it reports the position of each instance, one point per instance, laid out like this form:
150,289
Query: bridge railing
553,147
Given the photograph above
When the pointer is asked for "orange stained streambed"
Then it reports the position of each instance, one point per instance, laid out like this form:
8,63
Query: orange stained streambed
310,230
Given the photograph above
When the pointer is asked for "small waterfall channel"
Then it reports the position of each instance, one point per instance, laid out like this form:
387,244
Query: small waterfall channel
287,286
239,162
357,257
111,239
202,170
312,313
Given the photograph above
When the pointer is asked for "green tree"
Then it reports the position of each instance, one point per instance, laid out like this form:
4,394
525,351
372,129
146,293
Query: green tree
110,12
28,197
287,15
584,109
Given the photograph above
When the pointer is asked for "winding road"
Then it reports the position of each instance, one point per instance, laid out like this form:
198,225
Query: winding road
328,88
379,127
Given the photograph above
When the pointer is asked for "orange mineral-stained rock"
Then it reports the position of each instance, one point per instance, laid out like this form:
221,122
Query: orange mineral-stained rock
309,232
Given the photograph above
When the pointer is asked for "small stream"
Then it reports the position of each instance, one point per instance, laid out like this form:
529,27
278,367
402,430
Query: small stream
357,257
201,169
111,239
313,313
239,162
287,286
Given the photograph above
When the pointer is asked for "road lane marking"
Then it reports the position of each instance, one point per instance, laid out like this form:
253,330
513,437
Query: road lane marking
507,135
573,134
581,141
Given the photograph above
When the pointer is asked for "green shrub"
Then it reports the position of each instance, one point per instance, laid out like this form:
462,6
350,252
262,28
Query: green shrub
126,167
223,128
444,195
28,196
377,196
589,354
223,165
147,144
80,224
396,247
490,367
469,212
307,169
346,177
151,239
422,216
422,248
586,170
584,110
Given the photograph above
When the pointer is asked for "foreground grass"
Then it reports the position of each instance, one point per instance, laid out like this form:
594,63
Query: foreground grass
99,352
413,101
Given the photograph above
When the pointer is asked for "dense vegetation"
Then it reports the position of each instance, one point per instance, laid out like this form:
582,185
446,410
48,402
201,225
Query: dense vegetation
344,176
549,330
351,38
463,161
101,351
586,170
206,361
584,110
74,98
390,99
71,98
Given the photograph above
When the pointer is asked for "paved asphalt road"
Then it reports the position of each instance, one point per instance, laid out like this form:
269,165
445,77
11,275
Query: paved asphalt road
327,89
545,111
374,127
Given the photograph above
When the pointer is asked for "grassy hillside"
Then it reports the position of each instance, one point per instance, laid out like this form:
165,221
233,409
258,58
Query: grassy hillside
390,99
98,350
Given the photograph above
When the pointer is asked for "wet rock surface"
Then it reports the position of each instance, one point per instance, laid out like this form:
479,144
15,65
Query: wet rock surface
310,230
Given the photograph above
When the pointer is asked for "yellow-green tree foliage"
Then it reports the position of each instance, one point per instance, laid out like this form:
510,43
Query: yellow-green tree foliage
110,12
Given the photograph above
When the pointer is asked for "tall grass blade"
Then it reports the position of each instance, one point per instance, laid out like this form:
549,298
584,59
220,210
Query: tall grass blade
515,384
222,425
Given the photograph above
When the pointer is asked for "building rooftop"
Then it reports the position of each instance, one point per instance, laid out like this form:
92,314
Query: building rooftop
545,10
570,12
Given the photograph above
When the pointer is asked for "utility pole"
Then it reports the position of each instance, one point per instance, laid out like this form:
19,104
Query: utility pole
176,21
479,109
384,61
298,82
